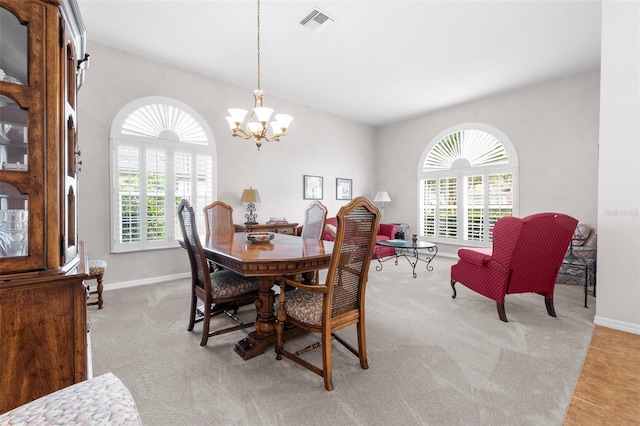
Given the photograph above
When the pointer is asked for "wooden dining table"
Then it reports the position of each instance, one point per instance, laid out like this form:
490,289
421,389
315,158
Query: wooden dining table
284,255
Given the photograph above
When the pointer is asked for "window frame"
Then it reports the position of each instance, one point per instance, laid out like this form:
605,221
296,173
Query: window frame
461,173
170,146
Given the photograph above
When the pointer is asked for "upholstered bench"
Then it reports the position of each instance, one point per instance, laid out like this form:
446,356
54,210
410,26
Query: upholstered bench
97,269
102,400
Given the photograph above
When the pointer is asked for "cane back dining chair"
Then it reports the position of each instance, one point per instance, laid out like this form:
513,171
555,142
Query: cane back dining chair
315,216
223,288
218,220
525,258
339,302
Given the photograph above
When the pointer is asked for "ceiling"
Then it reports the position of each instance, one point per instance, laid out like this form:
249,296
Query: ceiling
379,62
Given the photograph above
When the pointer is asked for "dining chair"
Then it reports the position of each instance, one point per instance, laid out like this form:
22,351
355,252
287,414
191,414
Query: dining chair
315,216
340,302
221,291
97,269
218,220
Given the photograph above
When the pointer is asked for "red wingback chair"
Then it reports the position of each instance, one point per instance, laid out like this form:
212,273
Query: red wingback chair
526,256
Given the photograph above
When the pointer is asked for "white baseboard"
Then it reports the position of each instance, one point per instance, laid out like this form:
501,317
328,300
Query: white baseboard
146,281
617,325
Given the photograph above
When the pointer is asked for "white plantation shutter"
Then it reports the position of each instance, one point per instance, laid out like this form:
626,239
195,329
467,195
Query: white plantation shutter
474,200
466,181
162,151
128,190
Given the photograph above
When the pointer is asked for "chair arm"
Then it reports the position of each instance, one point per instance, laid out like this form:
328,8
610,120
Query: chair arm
474,257
329,233
388,230
313,288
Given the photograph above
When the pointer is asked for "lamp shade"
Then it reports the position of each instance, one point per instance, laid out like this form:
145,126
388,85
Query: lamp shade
382,197
250,196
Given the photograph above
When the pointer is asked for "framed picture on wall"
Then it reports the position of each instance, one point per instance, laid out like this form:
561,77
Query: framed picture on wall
312,187
343,189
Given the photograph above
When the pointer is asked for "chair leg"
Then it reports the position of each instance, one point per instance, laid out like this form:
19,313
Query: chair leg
192,317
100,288
362,345
326,360
549,304
453,287
282,316
206,322
501,313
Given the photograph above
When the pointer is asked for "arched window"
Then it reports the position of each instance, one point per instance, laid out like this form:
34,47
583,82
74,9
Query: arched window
467,179
161,151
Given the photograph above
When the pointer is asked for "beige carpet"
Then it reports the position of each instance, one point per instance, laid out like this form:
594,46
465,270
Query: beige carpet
432,360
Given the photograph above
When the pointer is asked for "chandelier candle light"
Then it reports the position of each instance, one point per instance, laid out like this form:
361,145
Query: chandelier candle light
258,129
250,196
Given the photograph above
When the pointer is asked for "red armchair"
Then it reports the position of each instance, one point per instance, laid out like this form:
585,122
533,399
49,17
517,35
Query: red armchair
386,231
526,256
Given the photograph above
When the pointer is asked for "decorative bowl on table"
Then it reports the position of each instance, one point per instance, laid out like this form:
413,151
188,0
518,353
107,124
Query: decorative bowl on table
259,237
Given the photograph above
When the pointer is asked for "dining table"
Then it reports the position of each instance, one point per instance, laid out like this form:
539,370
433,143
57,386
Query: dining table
284,255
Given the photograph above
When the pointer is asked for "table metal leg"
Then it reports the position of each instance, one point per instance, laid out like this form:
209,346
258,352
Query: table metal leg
415,255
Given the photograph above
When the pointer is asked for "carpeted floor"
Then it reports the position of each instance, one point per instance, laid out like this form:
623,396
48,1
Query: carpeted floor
432,360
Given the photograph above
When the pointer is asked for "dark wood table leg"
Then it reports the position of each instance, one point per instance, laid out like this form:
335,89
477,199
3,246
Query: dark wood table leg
264,336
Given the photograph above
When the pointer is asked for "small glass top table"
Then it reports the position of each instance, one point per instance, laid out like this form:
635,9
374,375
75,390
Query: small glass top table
410,251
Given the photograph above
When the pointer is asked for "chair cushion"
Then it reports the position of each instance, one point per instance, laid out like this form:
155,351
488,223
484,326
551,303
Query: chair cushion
304,306
581,234
225,283
97,267
101,400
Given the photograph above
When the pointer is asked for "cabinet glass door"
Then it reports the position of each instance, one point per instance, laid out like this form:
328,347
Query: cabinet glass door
22,137
13,135
14,214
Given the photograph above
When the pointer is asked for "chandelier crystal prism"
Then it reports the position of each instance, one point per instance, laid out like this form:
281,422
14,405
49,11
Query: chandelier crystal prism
258,128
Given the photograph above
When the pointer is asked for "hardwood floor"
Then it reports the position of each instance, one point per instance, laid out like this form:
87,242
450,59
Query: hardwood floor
608,390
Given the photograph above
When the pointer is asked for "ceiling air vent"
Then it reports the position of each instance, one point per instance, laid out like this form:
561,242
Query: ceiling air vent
317,20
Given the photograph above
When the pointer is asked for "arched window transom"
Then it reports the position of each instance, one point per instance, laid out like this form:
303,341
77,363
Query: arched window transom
467,179
161,152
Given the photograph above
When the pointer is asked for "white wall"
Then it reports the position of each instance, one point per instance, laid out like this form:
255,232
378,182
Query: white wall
317,144
619,177
553,125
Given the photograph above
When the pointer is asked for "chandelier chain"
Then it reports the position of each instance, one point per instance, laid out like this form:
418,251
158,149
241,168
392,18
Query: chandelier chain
258,44
258,129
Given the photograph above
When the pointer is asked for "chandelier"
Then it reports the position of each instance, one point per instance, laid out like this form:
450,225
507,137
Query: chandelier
258,129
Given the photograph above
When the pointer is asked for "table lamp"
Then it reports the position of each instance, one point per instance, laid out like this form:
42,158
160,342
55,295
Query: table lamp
382,197
250,196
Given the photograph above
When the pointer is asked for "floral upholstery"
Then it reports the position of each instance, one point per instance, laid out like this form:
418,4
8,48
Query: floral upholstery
304,306
584,242
583,248
103,400
225,283
97,267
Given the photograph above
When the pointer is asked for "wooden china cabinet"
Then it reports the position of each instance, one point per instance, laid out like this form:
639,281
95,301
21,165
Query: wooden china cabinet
43,317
